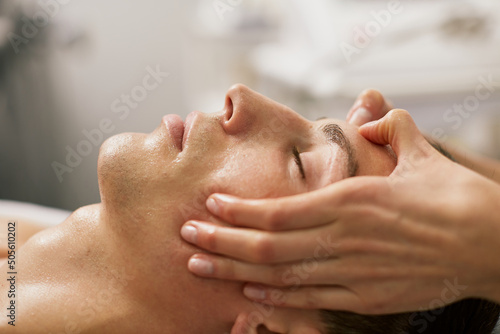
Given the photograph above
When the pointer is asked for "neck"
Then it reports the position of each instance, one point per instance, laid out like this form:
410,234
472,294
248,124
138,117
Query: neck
98,279
72,267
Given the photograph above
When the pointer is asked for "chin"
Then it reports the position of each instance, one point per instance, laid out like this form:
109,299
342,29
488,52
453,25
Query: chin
136,175
119,166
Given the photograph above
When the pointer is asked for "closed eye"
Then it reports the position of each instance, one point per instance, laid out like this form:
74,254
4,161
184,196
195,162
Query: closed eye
298,161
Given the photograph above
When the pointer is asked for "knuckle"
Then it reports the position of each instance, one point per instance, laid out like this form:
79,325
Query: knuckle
398,115
311,298
209,239
274,220
277,217
262,248
278,276
228,212
226,269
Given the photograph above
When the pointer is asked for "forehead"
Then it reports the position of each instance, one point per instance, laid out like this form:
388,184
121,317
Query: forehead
347,128
372,159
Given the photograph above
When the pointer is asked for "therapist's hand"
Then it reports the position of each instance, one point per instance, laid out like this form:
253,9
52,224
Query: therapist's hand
425,236
369,106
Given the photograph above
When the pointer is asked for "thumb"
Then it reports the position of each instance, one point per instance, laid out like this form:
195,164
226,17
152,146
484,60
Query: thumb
399,130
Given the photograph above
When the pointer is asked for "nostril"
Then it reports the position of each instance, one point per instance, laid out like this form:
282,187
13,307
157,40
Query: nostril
229,109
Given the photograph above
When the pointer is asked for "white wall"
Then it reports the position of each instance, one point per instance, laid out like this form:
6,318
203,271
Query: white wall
122,39
99,50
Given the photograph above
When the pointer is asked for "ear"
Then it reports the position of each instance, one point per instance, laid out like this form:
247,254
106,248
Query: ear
278,321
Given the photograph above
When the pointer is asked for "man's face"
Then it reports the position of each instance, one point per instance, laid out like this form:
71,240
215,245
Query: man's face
255,148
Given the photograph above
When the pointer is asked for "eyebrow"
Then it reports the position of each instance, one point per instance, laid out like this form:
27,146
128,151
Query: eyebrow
335,135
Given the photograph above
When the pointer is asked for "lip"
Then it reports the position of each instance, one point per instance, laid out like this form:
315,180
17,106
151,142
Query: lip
175,127
188,126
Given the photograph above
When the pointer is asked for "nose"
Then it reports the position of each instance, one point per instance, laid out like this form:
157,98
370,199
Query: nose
246,111
239,109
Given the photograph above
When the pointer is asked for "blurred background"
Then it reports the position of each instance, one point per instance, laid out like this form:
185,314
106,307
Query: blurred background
73,73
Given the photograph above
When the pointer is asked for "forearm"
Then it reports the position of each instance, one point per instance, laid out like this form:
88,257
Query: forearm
485,166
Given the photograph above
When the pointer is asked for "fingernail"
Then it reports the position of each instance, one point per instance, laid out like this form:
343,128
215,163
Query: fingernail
254,293
189,233
224,198
213,206
201,266
360,117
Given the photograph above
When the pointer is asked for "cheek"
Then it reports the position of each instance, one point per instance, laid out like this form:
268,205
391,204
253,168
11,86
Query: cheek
133,172
253,174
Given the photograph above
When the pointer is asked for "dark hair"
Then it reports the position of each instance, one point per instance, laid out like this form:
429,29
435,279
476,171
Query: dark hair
469,316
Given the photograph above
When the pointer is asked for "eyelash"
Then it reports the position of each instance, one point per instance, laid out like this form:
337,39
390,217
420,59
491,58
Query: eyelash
298,161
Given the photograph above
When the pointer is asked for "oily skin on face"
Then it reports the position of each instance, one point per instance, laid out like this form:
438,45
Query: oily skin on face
149,188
